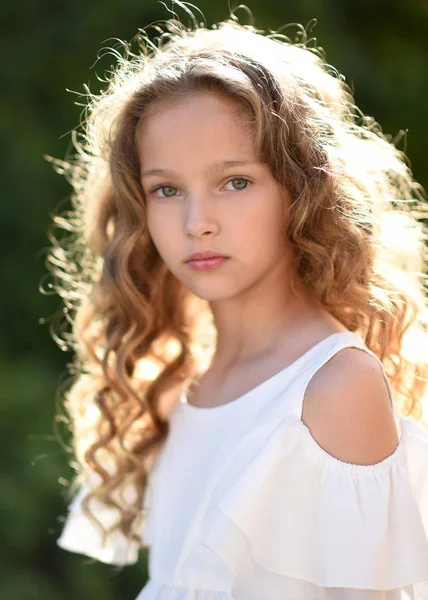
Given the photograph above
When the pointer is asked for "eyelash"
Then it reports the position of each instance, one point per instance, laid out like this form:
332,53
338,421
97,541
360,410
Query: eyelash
159,187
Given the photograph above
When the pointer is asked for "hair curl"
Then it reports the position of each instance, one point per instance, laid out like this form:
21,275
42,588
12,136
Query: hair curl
355,225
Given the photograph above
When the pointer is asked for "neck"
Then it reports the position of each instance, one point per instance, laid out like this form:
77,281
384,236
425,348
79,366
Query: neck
253,324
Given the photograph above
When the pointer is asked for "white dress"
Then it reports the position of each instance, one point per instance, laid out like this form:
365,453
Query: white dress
244,504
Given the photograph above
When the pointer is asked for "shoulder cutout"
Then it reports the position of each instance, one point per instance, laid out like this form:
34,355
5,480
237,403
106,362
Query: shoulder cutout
348,411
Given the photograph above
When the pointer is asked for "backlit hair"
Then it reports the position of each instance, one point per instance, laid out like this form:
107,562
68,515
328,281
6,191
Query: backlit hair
355,227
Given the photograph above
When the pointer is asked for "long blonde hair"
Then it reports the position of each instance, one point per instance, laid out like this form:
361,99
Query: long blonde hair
355,226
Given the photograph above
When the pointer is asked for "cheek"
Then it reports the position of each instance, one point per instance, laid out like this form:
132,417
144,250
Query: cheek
162,230
151,224
260,231
262,222
155,229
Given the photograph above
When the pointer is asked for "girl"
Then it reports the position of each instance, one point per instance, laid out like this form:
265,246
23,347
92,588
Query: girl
245,279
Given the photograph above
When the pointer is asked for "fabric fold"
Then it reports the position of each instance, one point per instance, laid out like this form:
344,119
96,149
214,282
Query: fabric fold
81,535
153,590
300,516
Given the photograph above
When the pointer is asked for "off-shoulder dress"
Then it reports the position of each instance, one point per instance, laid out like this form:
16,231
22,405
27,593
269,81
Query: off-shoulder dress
244,504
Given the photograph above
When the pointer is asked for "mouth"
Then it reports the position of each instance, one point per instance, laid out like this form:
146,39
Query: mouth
204,255
203,264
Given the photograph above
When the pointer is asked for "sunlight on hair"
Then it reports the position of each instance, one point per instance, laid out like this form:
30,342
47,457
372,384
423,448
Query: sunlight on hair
356,222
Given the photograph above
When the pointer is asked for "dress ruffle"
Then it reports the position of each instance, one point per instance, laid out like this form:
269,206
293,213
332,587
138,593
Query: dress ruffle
300,518
159,591
81,535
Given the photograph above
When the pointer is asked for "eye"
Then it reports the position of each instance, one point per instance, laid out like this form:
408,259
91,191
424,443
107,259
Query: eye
239,183
169,191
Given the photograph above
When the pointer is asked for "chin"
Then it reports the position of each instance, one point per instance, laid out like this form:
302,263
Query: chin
210,293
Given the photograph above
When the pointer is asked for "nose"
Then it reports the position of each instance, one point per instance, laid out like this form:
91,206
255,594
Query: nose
198,219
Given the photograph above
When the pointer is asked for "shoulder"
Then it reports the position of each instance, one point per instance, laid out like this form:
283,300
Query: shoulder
348,411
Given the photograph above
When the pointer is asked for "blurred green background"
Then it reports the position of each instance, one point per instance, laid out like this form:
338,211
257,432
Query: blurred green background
47,46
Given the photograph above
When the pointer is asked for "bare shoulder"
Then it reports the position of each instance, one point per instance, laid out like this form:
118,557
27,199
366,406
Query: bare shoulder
348,411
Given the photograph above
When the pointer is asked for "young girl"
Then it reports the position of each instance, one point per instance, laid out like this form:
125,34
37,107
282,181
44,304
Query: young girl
244,272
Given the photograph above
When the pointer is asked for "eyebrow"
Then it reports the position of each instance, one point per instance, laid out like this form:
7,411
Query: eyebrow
224,164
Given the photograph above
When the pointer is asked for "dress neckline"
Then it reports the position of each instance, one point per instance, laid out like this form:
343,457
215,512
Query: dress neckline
236,401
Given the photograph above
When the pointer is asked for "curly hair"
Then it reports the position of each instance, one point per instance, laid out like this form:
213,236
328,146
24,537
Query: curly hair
356,226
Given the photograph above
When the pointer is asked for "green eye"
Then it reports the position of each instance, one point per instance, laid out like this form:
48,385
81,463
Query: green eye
239,183
168,191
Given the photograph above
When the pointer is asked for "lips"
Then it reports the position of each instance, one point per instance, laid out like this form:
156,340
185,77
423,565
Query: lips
207,264
203,255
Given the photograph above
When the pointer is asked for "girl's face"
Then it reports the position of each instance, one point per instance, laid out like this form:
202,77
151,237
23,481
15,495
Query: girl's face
206,190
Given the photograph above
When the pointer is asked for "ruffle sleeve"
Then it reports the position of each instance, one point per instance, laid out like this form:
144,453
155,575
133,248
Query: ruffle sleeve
81,535
294,522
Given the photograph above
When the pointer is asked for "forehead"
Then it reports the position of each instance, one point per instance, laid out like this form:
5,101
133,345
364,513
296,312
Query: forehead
201,125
